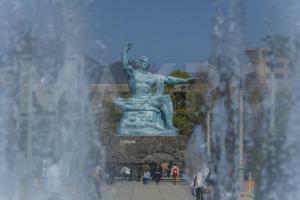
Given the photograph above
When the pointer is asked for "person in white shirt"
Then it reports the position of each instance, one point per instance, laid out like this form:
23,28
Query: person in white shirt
199,182
97,175
146,177
125,171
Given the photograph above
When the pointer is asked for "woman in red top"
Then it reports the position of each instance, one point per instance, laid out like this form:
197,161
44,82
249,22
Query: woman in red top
175,173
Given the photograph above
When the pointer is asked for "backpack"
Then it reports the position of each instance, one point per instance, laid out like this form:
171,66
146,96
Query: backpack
175,171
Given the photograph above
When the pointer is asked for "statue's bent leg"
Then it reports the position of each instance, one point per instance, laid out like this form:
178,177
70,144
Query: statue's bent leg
167,109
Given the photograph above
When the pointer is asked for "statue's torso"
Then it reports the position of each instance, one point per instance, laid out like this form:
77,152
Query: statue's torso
142,84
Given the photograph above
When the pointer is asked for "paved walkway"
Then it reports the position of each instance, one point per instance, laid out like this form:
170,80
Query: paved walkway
138,191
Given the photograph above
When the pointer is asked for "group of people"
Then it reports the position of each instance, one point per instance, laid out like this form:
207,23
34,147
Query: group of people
155,172
151,171
161,170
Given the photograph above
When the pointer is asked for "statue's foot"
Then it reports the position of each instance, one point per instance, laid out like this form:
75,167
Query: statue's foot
171,127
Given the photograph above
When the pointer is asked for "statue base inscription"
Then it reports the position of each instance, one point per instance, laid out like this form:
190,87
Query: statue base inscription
139,149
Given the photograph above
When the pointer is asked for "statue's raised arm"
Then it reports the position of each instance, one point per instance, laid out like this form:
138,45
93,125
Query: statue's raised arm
126,67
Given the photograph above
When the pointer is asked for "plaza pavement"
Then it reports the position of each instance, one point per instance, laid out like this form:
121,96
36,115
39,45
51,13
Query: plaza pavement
138,191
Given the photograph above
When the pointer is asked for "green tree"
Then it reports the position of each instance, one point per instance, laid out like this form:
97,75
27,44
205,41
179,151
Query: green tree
112,114
190,107
179,98
178,74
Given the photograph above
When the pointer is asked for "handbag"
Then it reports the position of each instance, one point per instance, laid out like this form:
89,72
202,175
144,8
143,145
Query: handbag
206,189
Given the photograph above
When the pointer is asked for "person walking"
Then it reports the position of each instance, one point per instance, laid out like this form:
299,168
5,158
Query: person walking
171,163
146,177
134,174
157,174
175,173
112,174
97,173
200,182
128,173
53,180
165,168
125,172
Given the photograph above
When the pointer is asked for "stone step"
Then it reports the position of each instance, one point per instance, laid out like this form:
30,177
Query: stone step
164,179
169,179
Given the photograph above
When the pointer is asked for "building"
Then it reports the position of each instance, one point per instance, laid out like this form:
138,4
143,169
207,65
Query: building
258,70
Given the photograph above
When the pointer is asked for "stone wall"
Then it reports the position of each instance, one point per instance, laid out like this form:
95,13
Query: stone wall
138,149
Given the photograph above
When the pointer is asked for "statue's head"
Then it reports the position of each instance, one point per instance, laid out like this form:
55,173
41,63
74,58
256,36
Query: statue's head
143,63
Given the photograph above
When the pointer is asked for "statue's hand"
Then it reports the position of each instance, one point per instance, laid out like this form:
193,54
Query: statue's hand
190,80
128,47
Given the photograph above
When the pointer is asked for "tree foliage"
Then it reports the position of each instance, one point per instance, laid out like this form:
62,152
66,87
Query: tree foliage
195,107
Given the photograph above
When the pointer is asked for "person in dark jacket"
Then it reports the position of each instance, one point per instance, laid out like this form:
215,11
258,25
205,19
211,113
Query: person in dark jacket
157,174
112,174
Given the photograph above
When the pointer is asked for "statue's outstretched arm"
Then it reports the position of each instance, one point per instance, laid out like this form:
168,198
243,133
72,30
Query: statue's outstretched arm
128,68
173,80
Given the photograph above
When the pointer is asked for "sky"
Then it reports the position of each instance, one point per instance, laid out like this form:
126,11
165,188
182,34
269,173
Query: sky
169,31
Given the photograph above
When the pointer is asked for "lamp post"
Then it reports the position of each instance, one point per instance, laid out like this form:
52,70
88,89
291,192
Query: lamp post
208,138
273,90
241,134
272,93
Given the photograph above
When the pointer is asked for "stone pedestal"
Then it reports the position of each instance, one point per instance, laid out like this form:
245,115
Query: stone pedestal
143,116
138,149
143,123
